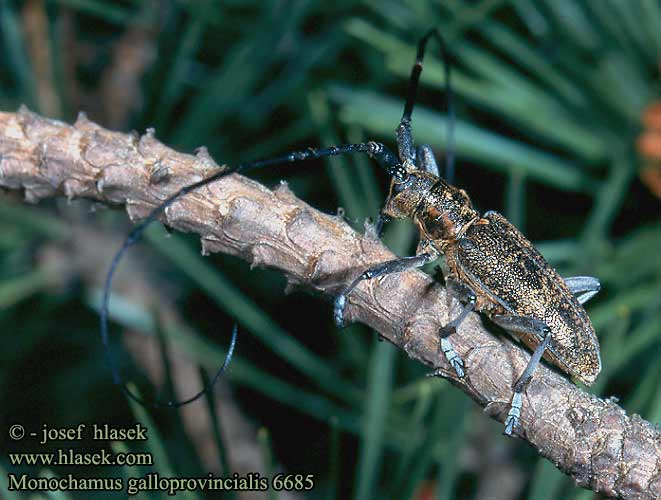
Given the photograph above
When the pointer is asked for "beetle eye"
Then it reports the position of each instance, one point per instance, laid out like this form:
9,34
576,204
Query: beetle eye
400,186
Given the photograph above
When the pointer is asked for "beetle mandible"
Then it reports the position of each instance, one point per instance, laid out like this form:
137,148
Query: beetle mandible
493,268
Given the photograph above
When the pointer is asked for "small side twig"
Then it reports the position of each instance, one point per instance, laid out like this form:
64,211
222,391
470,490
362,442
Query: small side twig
591,439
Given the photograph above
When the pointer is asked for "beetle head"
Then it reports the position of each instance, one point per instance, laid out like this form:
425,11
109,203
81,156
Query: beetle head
407,192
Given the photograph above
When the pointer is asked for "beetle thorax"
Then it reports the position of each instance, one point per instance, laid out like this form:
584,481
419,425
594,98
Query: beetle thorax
445,212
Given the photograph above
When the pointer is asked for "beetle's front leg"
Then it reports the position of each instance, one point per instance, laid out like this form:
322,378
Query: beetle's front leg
388,267
380,224
522,324
462,292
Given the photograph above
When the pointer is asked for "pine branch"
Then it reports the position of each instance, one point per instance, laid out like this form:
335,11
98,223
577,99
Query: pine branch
591,439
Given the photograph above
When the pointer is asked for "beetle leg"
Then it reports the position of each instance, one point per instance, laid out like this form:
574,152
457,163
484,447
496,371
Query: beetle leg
527,325
521,324
584,287
380,223
445,345
463,293
459,290
425,160
388,267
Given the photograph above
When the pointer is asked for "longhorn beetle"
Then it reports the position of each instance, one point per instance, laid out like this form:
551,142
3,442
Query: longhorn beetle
493,268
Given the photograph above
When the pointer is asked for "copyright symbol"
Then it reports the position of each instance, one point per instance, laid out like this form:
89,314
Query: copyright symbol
16,432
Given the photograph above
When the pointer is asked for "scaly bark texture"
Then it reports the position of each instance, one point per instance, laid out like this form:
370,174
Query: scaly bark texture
591,439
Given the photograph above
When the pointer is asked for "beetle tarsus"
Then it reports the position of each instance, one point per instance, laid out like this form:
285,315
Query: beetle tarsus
338,310
451,355
514,414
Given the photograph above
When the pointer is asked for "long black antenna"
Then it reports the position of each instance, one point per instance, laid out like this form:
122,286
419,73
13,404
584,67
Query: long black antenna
376,150
412,94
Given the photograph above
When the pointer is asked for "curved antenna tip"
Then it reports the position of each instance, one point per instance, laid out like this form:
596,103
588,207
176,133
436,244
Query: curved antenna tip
177,404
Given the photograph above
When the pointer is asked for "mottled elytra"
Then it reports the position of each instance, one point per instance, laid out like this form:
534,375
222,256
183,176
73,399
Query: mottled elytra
493,268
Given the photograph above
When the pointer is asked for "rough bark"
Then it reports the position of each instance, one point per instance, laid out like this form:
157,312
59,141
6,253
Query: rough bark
591,439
